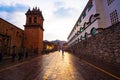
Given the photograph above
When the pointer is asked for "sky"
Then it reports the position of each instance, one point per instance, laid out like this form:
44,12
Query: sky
60,16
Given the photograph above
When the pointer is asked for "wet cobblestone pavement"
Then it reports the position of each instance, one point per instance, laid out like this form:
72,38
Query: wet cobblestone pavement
53,66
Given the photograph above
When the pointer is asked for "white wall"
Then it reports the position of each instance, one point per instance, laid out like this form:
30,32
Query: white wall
108,9
101,7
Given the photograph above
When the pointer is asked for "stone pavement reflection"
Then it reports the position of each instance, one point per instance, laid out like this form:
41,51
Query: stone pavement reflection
60,68
53,66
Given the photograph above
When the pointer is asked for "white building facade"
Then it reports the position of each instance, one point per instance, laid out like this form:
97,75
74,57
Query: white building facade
96,16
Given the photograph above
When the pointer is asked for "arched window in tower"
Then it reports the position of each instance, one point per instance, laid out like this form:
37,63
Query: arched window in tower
35,19
30,20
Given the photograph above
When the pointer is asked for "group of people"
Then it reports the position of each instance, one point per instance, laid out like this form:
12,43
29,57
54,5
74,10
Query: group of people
20,56
13,55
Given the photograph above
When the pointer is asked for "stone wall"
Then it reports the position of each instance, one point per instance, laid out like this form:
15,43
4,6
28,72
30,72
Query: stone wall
104,46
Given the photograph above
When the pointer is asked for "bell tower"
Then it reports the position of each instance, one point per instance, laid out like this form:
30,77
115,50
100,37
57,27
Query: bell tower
34,31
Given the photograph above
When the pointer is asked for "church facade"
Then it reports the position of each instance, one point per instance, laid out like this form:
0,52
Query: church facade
14,39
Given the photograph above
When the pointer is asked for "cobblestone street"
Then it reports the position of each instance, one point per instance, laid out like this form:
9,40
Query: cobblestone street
54,66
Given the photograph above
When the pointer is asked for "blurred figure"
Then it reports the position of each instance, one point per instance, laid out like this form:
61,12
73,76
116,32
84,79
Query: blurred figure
62,51
13,54
13,57
26,55
19,56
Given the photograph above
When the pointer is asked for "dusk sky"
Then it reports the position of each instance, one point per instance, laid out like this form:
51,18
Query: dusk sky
60,15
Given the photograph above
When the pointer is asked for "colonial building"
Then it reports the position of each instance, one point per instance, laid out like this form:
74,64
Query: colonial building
29,40
34,31
11,38
96,16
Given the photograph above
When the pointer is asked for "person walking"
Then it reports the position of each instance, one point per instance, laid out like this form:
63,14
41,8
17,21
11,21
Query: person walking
13,57
19,56
26,55
62,51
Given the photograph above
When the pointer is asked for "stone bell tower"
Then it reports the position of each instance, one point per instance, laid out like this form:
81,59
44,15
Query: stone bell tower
33,38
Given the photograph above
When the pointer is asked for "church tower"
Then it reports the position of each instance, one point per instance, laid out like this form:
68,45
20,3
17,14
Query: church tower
33,39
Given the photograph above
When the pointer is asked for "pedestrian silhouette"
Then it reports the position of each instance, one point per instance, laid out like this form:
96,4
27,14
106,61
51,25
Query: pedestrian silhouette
20,56
62,51
13,57
26,55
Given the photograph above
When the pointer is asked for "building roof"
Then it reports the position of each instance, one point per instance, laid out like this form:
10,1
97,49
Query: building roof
10,24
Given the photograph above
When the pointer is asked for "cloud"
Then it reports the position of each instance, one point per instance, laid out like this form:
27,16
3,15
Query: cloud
58,3
17,7
62,12
60,15
18,19
4,14
59,27
12,2
14,14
